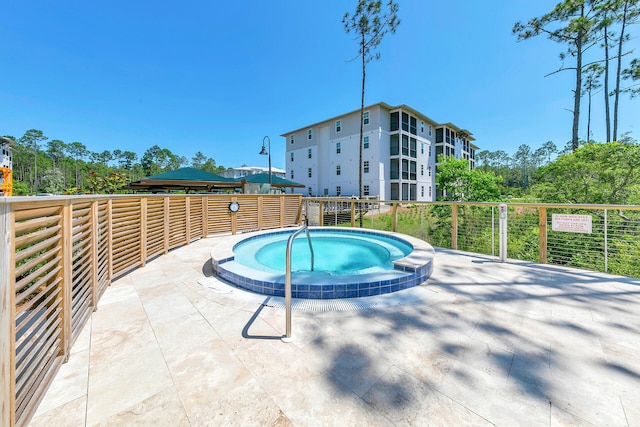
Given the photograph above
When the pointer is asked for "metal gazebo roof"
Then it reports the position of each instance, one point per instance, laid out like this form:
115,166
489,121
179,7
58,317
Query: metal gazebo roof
187,179
276,181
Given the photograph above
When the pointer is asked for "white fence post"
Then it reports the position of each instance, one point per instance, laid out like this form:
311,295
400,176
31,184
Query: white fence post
606,243
503,232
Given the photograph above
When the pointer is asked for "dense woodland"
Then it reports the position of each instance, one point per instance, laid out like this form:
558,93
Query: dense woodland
594,173
600,173
43,165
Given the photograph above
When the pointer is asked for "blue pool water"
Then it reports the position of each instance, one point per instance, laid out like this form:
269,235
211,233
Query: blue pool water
335,253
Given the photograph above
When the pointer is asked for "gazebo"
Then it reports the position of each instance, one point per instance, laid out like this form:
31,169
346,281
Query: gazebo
183,179
263,178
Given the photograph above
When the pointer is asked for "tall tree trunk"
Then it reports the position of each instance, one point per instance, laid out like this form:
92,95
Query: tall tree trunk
30,178
576,98
606,83
35,174
589,118
364,62
619,71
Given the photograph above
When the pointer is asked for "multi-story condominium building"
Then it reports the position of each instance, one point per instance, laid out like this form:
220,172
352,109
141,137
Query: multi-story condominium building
6,158
6,163
250,170
400,148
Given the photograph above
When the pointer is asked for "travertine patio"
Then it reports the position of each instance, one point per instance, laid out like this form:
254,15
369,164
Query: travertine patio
480,343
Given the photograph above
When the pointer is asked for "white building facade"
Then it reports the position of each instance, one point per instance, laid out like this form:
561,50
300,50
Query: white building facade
399,153
6,156
250,170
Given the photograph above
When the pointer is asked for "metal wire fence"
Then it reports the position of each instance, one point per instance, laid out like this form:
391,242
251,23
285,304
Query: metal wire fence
535,232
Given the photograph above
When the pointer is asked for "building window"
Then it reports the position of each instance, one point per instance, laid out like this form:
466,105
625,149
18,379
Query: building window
412,172
309,190
429,170
394,170
338,126
439,137
292,139
366,142
412,125
395,191
422,171
291,173
429,130
292,156
395,142
422,191
309,153
338,170
338,190
429,191
405,145
309,172
366,190
405,169
422,148
405,122
412,148
337,148
366,166
395,121
365,118
310,134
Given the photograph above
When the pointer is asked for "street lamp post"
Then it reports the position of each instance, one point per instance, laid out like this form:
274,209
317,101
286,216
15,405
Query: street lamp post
264,152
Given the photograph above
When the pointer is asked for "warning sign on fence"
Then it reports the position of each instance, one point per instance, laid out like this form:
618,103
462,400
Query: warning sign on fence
571,223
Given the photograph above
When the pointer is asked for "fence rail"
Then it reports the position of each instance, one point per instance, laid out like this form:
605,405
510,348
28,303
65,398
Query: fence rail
59,254
612,245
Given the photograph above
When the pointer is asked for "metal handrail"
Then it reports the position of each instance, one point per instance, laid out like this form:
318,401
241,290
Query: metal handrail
287,282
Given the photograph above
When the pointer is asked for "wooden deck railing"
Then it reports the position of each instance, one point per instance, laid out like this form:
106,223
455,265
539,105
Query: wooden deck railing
59,254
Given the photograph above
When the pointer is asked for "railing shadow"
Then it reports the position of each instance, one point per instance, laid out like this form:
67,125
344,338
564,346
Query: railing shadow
245,330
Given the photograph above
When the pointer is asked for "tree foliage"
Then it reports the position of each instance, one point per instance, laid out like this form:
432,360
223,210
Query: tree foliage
460,183
605,173
52,181
108,184
633,74
70,168
30,145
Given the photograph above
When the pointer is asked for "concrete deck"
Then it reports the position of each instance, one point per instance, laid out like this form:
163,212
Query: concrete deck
481,343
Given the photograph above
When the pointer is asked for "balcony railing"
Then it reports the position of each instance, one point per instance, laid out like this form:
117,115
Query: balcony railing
59,254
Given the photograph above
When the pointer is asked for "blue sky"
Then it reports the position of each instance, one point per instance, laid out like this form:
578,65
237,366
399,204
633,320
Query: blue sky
217,76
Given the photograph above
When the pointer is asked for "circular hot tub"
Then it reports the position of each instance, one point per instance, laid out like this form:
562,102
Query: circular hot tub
347,263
